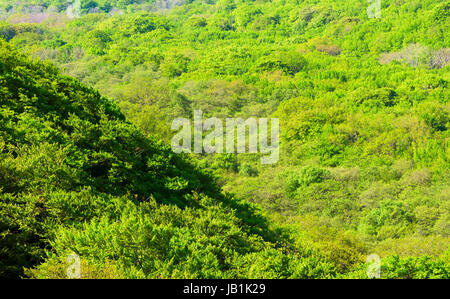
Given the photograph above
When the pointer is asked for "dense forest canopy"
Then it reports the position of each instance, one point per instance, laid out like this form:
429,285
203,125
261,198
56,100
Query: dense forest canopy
86,165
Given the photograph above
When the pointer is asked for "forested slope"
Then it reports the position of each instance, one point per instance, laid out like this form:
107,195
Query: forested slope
364,117
76,177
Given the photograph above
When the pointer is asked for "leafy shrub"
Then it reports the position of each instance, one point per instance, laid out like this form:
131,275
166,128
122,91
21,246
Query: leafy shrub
390,219
306,176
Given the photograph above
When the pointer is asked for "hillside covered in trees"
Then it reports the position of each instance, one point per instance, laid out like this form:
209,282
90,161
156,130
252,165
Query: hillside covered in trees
85,159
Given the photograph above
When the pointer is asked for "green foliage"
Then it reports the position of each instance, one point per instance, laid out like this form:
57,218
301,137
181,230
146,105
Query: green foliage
68,157
364,116
288,62
306,176
424,267
390,218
